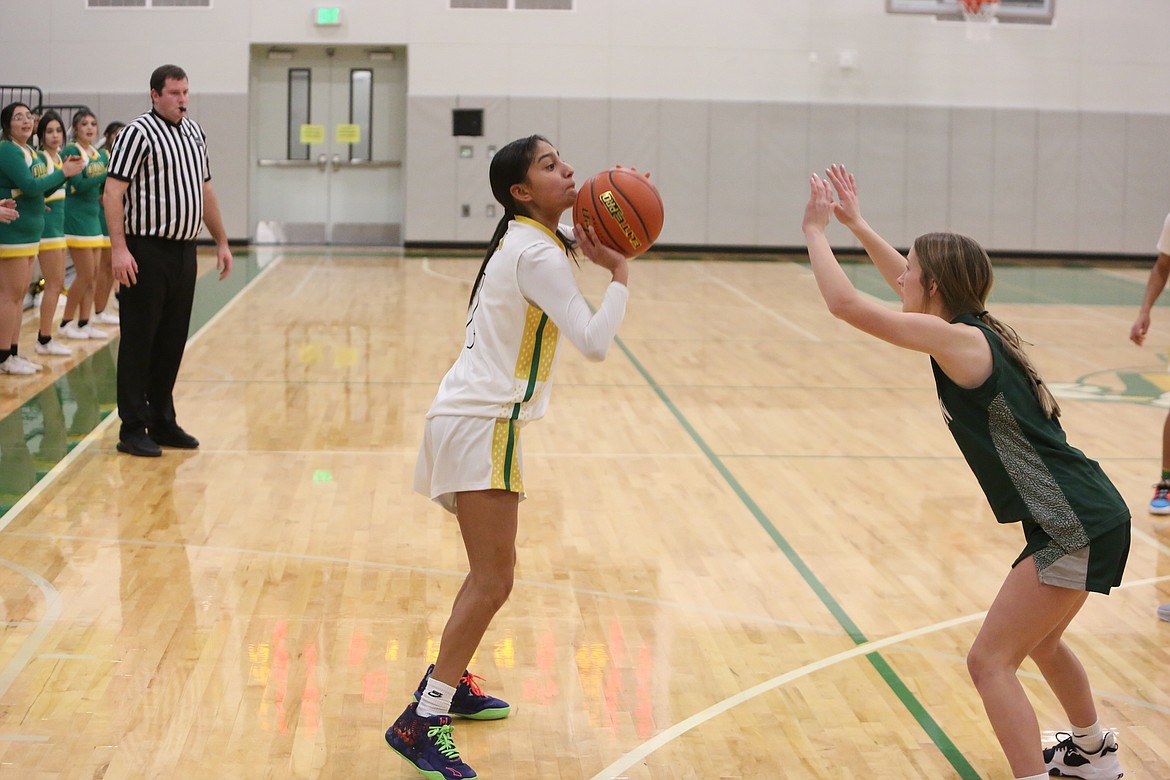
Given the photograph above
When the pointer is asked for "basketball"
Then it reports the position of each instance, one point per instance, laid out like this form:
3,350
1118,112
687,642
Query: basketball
624,209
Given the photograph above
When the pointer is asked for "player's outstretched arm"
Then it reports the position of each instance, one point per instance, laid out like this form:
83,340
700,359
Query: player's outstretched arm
889,261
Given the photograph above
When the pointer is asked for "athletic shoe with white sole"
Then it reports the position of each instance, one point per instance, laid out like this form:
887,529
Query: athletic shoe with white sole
16,368
51,347
21,359
70,331
469,701
94,333
1065,759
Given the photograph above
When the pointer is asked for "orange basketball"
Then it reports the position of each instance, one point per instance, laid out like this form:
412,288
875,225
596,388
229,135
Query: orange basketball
624,209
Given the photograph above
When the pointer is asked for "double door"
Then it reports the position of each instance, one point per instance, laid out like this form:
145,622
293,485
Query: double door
328,138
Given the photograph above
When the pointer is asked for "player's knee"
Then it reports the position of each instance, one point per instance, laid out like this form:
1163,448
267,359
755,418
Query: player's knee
496,588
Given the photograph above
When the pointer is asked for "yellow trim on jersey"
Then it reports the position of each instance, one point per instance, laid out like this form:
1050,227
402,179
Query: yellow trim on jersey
19,250
535,224
549,335
57,242
505,461
85,242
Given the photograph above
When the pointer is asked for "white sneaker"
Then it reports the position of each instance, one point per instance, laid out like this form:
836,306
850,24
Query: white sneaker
1065,759
51,347
16,367
27,362
71,331
94,333
106,317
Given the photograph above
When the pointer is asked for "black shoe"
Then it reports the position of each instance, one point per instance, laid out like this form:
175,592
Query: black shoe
174,436
139,444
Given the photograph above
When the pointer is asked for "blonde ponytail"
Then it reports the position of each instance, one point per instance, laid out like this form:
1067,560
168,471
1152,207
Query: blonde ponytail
1011,342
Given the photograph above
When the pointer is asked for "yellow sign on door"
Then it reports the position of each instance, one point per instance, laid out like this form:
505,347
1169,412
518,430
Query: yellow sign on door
312,134
349,134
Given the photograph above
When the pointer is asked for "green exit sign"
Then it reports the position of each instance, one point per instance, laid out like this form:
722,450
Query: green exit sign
328,16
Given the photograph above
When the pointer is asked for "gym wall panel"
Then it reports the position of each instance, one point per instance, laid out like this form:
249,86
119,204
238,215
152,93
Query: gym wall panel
583,135
970,173
430,170
634,132
532,115
928,150
683,167
1147,187
1058,176
881,172
833,136
1014,188
782,185
733,149
1101,186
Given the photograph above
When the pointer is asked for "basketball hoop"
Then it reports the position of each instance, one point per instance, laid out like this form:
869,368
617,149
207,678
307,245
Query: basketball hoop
978,16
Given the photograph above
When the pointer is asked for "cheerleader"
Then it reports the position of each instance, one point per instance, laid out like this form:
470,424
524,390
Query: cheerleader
51,132
83,229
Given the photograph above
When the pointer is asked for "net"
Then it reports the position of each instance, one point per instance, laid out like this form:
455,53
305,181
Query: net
978,16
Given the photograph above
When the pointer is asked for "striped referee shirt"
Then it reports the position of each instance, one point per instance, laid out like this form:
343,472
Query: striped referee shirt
165,165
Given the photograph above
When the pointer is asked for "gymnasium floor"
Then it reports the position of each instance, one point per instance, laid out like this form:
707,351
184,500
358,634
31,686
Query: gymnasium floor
750,549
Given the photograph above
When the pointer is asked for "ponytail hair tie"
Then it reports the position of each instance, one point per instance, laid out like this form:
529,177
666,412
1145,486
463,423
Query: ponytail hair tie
981,314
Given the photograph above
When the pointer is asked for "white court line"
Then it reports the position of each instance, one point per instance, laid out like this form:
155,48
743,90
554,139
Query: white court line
761,307
646,748
636,755
1154,542
29,647
429,270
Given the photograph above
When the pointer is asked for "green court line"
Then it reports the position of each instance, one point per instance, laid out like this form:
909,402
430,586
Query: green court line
944,743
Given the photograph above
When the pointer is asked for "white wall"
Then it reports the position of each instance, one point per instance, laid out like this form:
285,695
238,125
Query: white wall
968,135
1098,55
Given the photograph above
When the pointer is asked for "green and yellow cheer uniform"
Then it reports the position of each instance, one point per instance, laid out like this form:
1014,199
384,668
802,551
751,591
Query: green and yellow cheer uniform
83,227
26,178
53,234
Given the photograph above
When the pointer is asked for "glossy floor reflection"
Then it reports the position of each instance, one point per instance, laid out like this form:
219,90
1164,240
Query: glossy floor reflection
750,550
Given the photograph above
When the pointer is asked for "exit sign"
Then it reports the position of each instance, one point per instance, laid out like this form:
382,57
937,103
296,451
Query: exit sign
328,16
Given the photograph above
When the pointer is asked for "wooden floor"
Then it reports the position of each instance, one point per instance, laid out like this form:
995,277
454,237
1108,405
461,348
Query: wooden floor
750,549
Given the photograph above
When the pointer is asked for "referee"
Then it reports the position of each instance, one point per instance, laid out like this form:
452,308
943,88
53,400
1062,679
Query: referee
158,194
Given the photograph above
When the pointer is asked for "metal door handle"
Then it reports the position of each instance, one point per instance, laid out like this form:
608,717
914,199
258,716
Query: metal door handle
322,161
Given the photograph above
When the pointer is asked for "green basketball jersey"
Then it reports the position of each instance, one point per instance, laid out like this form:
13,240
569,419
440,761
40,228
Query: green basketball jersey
1021,457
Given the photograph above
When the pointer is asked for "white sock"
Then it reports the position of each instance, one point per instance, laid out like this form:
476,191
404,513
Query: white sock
436,699
1043,776
1089,738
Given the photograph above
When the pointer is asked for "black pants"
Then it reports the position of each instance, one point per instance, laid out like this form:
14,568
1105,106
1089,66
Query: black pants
156,315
